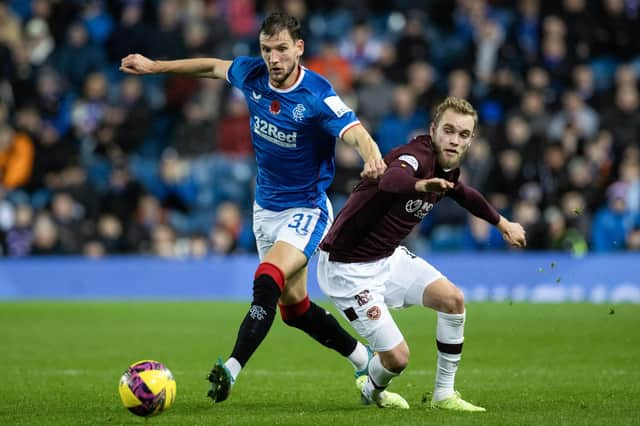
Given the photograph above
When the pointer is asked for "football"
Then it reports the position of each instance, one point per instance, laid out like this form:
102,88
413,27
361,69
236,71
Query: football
147,388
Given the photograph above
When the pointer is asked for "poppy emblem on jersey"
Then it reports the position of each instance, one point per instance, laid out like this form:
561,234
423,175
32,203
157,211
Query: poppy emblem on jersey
274,108
298,112
374,313
363,297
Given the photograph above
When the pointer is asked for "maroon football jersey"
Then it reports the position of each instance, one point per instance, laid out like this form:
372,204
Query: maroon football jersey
379,215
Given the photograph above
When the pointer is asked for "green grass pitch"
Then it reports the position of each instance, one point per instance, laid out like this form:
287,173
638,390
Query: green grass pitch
527,364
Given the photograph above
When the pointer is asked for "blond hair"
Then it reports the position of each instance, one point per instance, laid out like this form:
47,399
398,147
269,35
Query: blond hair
459,105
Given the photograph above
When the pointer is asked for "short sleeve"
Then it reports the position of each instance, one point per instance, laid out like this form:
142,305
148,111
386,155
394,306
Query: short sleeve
335,116
241,68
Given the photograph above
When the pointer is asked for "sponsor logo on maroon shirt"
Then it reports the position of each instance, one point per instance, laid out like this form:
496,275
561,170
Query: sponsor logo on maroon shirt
419,208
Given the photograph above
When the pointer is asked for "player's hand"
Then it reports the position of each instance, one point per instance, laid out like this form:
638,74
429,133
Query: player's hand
137,64
513,233
373,169
438,185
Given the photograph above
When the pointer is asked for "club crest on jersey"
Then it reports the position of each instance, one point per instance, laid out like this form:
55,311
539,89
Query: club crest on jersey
298,112
374,313
274,108
418,207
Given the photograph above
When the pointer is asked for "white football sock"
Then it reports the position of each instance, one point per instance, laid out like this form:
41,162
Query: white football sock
379,378
450,330
359,357
234,368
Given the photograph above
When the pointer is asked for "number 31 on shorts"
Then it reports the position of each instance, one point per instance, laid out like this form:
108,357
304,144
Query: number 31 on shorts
301,223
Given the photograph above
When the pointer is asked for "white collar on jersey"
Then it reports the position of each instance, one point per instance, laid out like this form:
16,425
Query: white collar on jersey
293,86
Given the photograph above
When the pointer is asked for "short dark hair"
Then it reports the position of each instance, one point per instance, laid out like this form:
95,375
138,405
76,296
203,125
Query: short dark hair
279,21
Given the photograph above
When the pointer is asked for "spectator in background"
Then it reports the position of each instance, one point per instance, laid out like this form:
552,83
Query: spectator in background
533,110
615,33
522,45
489,39
576,115
97,21
623,119
89,110
334,67
198,246
226,231
195,133
166,41
360,48
412,45
68,216
16,158
10,27
78,57
421,79
374,96
405,120
46,239
130,117
53,101
130,33
233,136
59,15
478,163
122,195
110,234
38,42
613,222
581,23
19,237
53,155
163,239
479,235
148,215
506,175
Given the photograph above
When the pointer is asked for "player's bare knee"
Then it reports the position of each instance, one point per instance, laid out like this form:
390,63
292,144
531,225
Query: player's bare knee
457,301
397,359
454,302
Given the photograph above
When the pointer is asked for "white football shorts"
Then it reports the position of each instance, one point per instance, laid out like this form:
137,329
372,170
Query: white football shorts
303,228
364,291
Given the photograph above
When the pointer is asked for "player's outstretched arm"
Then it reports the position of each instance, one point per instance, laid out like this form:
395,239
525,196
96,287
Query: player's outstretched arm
198,67
361,140
512,232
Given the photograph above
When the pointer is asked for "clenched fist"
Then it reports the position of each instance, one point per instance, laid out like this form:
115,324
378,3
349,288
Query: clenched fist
137,64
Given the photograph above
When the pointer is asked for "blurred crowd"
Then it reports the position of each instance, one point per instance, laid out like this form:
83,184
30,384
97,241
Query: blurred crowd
94,162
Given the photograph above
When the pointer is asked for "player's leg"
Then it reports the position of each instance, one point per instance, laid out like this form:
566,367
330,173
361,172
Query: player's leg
370,317
269,280
444,297
413,281
298,311
280,262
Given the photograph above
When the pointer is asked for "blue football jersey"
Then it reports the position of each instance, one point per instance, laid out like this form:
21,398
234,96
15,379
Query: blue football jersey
294,131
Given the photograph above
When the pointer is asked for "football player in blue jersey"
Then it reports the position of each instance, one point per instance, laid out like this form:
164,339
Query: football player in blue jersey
296,117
